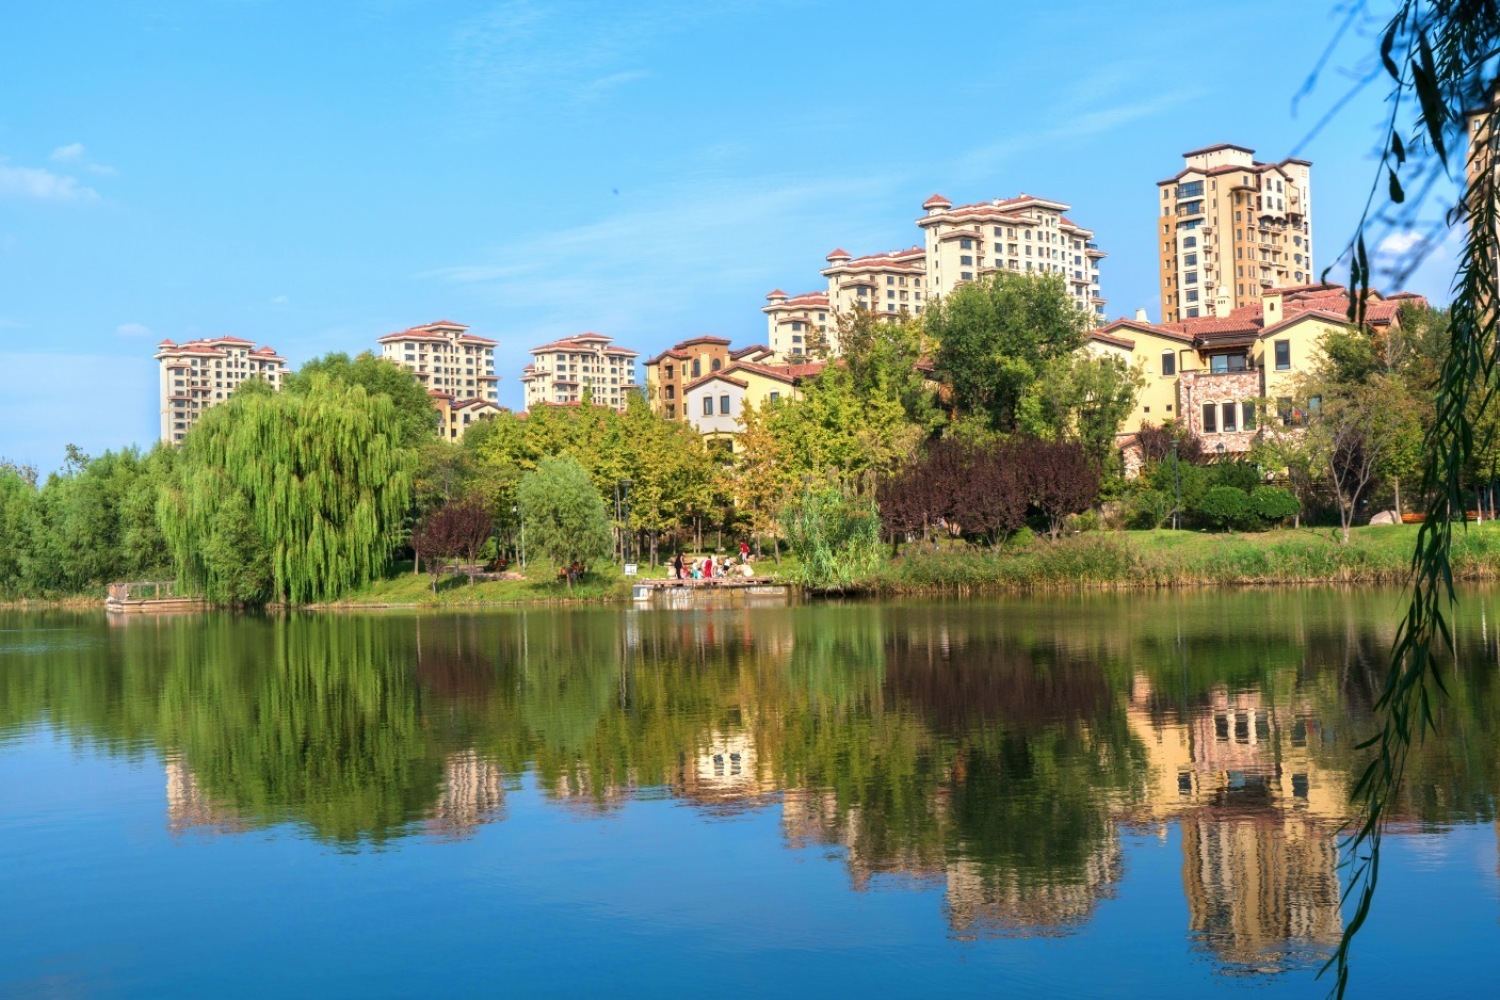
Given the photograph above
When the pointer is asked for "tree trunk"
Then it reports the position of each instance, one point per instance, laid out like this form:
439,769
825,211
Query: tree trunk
1396,482
416,563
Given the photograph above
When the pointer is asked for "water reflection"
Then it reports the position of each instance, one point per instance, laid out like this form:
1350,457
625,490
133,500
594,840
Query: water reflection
996,753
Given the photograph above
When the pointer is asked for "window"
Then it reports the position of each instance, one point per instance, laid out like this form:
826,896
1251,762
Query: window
1221,363
798,326
1168,363
966,244
1190,260
708,406
1189,241
1283,355
1192,295
1191,278
966,261
1230,411
1192,189
1247,411
775,397
966,276
1285,413
1210,418
724,405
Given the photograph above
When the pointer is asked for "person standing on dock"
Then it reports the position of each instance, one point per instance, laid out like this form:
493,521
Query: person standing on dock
677,564
744,551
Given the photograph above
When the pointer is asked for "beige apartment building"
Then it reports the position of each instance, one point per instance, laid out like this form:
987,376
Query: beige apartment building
1232,228
447,358
794,322
456,367
888,283
1024,235
198,374
562,371
669,372
964,243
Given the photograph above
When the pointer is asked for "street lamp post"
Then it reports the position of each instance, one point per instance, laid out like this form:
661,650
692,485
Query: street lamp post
625,485
1176,491
515,509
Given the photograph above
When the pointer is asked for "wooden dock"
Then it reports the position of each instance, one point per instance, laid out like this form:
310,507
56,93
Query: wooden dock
688,593
150,597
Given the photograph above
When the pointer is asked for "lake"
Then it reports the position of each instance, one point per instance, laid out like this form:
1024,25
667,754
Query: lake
1132,795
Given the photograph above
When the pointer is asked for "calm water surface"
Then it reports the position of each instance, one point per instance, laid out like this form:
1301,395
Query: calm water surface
1132,796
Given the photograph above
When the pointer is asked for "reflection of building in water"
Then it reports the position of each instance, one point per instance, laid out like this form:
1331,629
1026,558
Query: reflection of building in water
1259,819
725,771
473,794
190,808
1262,893
983,900
988,903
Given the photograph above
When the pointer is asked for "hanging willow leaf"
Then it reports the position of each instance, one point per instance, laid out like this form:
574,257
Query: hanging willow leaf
322,486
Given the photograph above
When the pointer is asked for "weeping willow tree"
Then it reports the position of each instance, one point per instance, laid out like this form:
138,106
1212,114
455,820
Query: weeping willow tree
1439,59
290,497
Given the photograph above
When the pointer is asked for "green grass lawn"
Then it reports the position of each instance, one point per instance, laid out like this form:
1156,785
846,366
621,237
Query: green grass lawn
1099,559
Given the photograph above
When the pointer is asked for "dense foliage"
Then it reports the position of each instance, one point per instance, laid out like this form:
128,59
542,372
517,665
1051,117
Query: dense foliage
288,496
564,514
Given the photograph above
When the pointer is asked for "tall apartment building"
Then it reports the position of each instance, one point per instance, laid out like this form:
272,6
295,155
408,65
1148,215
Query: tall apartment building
890,283
561,371
795,321
446,358
199,374
1232,227
1025,234
669,372
961,244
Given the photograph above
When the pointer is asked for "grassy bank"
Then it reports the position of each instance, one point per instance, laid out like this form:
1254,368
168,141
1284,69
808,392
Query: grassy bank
1109,560
403,588
1089,561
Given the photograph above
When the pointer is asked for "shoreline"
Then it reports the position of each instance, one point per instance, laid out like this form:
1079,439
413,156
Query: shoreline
1090,562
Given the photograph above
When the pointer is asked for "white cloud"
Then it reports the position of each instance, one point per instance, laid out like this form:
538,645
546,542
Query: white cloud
561,56
133,330
37,184
1402,243
72,153
281,300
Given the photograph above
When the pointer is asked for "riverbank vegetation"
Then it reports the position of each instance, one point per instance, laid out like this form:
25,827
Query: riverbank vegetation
950,441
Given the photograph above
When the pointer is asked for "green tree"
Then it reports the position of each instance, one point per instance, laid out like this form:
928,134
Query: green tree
1224,506
416,419
1081,397
837,433
565,516
323,477
997,336
883,354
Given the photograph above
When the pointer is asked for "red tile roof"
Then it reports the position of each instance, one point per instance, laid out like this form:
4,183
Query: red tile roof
838,255
776,292
937,201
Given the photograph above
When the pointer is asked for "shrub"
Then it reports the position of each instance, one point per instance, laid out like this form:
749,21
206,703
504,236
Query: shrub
1273,504
1224,506
1152,509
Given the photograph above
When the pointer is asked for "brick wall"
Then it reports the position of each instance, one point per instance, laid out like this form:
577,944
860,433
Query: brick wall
1196,388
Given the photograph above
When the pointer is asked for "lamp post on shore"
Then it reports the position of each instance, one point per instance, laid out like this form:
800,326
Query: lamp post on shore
1176,490
515,509
625,485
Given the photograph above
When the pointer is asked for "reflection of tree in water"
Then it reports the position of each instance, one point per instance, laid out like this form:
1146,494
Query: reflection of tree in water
992,752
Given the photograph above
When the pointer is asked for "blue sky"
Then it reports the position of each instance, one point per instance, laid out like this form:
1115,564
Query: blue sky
316,175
